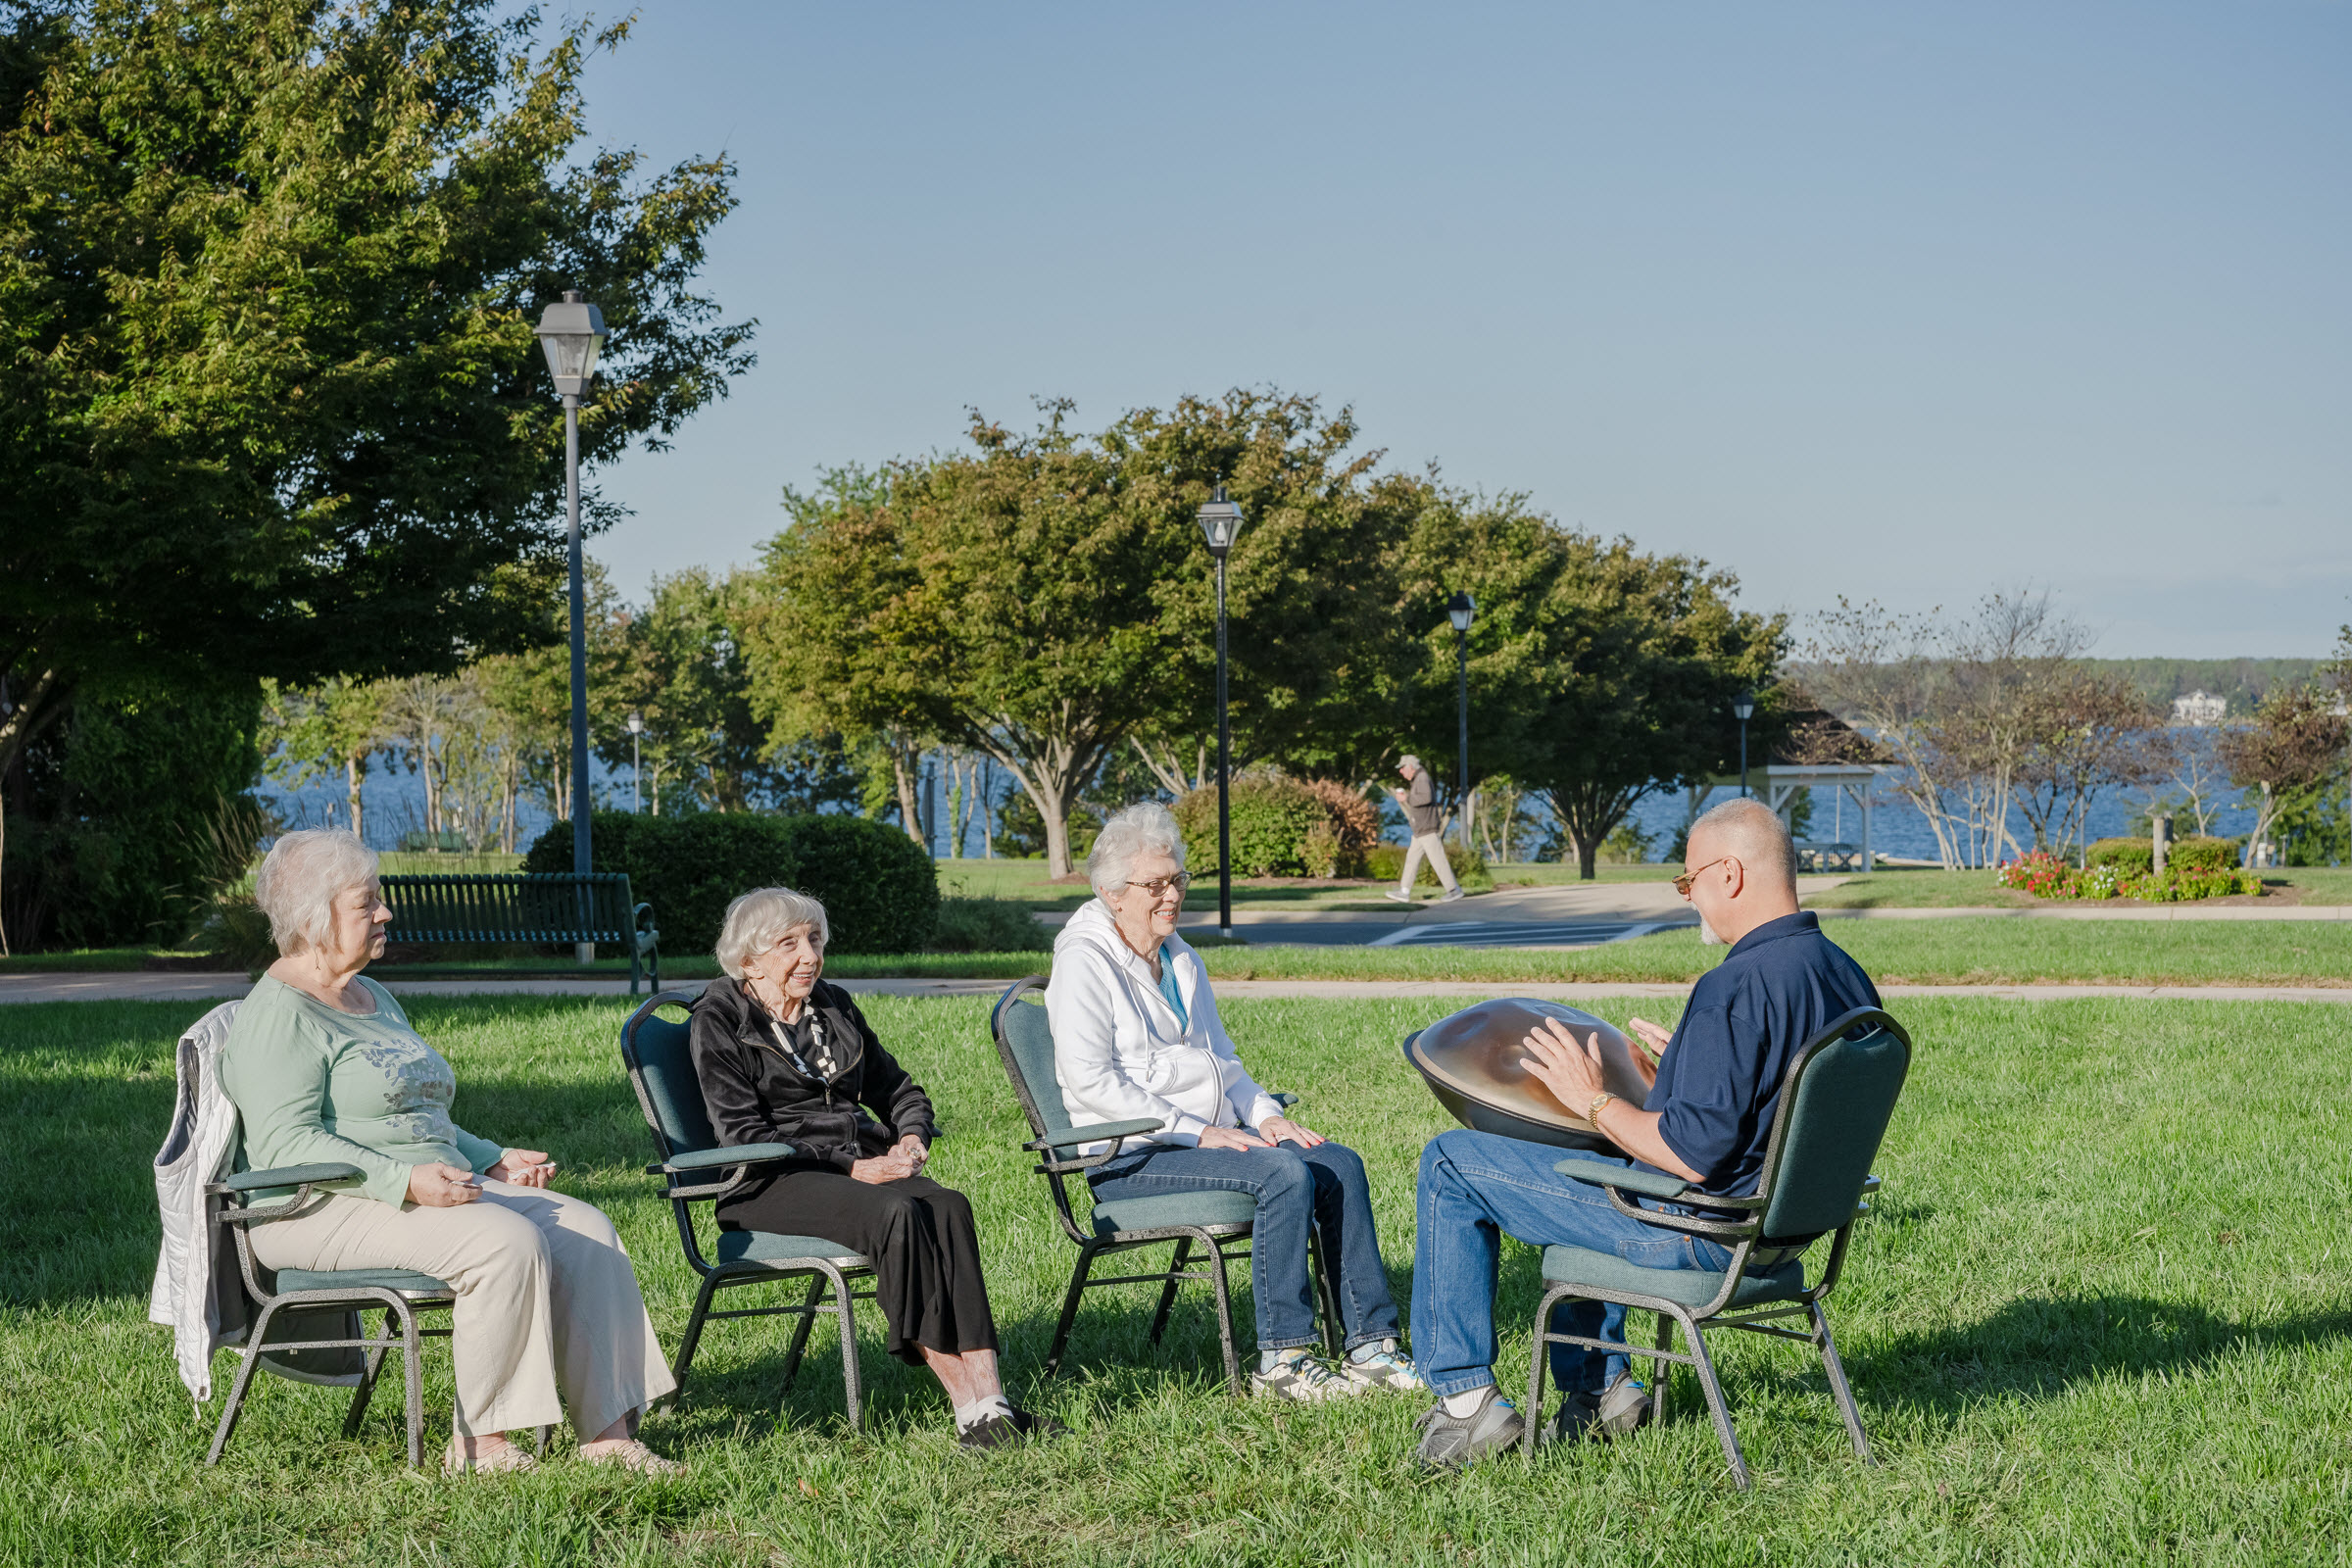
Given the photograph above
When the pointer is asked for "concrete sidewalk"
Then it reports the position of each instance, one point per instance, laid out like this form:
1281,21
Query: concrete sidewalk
142,987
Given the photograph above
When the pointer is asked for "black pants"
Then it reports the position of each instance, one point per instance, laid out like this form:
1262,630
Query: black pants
919,1234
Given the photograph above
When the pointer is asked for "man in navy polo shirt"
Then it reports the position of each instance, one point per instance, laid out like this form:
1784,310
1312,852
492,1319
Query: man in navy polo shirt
1706,1119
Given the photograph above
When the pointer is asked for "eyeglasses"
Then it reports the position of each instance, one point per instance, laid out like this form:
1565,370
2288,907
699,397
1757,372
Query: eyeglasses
1157,888
1682,884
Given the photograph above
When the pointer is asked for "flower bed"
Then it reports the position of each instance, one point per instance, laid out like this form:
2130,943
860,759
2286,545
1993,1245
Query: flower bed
2047,876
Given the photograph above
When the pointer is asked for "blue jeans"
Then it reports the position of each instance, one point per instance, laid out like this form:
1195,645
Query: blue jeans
1293,1187
1475,1187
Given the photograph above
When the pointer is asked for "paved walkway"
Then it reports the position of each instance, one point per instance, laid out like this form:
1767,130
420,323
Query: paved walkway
220,987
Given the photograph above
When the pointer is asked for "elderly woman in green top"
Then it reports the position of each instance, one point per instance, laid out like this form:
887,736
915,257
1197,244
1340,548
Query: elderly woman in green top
323,1066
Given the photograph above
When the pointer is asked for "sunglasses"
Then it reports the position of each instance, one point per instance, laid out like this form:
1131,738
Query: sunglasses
1682,884
1157,888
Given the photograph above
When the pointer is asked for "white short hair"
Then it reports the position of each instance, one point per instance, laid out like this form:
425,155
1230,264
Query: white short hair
1754,832
1136,830
302,876
762,917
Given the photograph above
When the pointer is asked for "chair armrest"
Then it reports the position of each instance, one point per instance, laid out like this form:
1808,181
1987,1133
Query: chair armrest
248,1180
724,1154
1093,1134
1649,1183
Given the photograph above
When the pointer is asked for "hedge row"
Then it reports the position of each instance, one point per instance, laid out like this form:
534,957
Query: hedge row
2138,856
1281,826
879,889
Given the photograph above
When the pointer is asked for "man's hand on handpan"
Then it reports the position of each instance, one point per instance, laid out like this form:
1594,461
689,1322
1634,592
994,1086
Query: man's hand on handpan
1570,1070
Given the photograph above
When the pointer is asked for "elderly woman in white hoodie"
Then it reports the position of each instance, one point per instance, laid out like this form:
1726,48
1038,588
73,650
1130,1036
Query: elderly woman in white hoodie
1137,1037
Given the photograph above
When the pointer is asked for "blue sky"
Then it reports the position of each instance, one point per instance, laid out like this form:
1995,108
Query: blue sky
1892,301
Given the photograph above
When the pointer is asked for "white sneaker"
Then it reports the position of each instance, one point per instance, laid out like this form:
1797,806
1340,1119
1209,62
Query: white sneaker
1451,896
1398,898
1385,1368
1302,1379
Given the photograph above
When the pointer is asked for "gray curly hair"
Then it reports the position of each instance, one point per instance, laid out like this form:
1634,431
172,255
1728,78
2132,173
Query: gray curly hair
1138,829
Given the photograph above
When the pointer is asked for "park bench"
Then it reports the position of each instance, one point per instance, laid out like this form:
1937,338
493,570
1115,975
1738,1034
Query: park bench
564,906
1830,858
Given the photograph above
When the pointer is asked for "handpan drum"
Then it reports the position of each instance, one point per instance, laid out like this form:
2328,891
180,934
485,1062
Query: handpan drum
1470,1061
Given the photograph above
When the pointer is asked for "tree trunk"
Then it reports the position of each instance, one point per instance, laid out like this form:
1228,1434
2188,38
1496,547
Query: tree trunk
1587,854
908,816
1058,833
355,767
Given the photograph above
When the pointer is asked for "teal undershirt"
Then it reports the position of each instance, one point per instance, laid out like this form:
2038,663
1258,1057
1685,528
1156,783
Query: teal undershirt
1167,987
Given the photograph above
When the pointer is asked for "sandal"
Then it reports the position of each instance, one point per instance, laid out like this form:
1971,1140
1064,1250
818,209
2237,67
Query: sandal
505,1457
635,1455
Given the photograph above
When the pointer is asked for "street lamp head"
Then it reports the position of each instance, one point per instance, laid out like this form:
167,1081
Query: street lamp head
570,331
1220,520
1458,609
636,723
1743,707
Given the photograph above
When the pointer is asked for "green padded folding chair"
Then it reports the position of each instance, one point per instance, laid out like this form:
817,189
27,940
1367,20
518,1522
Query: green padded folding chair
1835,1105
1212,1221
322,1309
697,1168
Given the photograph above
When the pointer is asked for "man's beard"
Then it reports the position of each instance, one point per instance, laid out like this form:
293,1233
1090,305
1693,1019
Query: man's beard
1706,934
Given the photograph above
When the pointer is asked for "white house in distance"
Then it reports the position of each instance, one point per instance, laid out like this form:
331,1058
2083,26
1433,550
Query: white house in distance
2200,709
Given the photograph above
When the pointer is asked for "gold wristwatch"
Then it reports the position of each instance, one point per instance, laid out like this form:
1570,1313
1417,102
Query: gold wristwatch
1593,1112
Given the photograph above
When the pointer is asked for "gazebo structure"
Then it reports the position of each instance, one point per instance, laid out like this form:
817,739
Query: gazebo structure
1844,763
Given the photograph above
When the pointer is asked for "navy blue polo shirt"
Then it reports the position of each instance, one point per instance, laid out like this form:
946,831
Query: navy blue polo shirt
1720,1078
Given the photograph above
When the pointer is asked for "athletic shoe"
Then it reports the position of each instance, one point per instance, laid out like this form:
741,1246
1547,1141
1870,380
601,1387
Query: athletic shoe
1385,1368
1448,1441
1450,896
1395,896
1617,1411
1302,1379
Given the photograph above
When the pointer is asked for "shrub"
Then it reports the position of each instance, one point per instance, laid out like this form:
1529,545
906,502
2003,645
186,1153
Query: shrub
2047,876
1385,863
879,889
1626,845
235,927
1352,828
1271,814
2128,855
2202,854
989,925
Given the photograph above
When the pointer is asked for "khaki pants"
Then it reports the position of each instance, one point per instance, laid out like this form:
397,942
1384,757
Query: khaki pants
1434,847
548,1311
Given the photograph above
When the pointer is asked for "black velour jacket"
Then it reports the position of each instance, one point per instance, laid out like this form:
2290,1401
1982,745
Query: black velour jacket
755,1094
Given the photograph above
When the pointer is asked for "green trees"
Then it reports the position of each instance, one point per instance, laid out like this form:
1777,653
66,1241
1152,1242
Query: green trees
1045,599
269,399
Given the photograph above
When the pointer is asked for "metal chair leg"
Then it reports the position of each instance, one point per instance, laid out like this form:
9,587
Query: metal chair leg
1712,1388
1217,1282
799,1335
1327,1294
1168,1293
1839,1386
413,1366
847,1307
1538,1361
370,1364
1665,1372
1069,1310
250,1358
694,1335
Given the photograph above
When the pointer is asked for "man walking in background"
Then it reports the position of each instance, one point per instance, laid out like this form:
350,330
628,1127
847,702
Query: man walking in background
1419,798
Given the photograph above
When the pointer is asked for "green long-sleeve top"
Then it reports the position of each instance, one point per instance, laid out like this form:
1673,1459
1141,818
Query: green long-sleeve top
314,1084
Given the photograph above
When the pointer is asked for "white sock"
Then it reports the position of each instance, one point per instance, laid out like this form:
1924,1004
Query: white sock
968,1416
1268,1360
1365,1352
1458,1405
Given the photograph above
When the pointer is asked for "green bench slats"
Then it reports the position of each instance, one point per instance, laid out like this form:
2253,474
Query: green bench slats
541,908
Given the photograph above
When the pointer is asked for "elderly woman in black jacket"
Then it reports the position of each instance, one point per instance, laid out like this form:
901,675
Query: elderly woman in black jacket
784,1057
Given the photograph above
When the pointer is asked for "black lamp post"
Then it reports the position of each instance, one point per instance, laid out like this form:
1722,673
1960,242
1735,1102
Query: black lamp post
1459,610
1743,707
570,331
636,759
1220,522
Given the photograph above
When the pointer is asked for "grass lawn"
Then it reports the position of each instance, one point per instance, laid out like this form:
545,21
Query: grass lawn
2090,1322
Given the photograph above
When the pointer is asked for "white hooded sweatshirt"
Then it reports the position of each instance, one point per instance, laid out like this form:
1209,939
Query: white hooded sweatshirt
1119,1053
